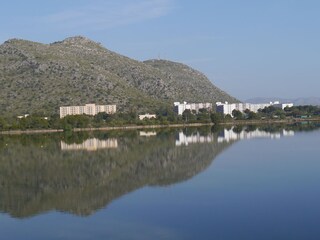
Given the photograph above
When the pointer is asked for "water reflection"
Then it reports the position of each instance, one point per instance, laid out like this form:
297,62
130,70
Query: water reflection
37,175
228,135
183,139
147,134
91,144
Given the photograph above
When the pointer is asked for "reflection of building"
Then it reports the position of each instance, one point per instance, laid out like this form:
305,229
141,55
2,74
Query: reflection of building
230,135
183,139
91,144
147,134
179,108
227,108
147,115
88,109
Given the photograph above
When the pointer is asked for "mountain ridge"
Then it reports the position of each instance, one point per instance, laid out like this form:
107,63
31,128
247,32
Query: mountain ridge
38,78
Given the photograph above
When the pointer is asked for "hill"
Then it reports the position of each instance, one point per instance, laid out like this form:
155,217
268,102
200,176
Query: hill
189,81
38,78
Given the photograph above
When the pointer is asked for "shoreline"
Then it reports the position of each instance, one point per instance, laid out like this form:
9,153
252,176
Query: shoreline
128,127
132,127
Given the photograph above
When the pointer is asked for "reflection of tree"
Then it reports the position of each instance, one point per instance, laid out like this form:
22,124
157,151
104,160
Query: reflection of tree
35,176
238,129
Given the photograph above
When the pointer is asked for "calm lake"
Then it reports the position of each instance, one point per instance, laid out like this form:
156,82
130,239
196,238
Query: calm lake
195,183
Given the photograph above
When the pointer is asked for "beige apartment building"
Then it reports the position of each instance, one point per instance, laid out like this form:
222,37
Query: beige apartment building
88,109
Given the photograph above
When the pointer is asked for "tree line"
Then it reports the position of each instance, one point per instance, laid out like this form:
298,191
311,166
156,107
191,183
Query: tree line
165,116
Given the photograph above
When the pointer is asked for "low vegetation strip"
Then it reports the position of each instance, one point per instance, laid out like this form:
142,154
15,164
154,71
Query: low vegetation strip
164,117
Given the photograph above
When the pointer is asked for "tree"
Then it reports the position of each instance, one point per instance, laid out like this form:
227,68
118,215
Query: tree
55,122
228,118
3,124
101,117
75,121
237,114
252,115
188,116
203,115
216,117
237,129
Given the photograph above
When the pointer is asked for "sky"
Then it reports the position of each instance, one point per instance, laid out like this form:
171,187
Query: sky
248,48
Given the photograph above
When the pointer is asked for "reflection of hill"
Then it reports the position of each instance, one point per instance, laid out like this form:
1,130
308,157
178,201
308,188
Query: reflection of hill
36,176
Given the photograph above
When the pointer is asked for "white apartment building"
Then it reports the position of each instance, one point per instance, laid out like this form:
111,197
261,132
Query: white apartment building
179,108
282,105
147,115
227,108
88,109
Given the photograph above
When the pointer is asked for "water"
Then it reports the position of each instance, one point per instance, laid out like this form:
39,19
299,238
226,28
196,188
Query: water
235,183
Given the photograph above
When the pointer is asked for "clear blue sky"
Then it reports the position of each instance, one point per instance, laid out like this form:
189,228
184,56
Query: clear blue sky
248,48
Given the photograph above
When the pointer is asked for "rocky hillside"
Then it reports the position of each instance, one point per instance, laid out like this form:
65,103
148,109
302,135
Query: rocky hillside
190,81
38,78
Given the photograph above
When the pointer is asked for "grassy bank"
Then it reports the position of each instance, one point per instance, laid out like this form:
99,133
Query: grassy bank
129,127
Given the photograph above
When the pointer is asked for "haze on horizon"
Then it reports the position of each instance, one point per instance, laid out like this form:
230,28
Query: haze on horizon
247,48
